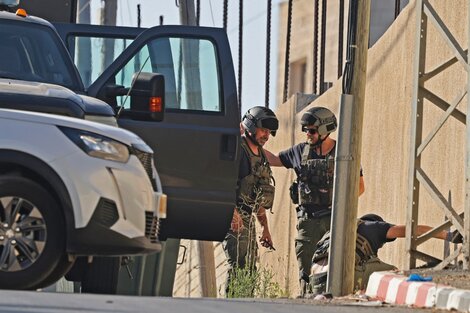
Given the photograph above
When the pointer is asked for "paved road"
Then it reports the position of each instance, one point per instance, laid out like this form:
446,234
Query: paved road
42,302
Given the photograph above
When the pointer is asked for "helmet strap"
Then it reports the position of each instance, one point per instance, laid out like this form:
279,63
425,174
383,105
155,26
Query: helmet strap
252,138
319,143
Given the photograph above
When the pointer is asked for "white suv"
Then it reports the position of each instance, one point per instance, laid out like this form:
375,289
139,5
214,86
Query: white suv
68,188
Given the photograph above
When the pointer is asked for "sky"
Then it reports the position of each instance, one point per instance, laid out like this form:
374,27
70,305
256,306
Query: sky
254,36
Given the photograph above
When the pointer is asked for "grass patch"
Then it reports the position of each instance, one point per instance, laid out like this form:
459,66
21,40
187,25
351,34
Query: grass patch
252,283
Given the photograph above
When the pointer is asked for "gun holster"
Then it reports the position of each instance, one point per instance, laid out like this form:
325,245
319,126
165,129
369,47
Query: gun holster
294,192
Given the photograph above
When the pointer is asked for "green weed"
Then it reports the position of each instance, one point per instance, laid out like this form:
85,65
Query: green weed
253,283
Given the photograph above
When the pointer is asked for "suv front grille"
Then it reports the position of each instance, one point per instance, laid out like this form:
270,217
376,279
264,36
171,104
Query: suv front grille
146,160
152,226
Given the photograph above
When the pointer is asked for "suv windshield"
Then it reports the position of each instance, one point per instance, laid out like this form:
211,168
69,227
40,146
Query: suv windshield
33,52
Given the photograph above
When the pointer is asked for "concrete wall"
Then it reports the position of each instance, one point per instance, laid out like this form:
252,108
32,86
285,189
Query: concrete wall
301,49
386,138
187,274
386,133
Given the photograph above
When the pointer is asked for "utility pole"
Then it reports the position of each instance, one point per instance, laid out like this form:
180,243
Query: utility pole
205,249
189,59
187,12
108,17
83,48
466,234
347,162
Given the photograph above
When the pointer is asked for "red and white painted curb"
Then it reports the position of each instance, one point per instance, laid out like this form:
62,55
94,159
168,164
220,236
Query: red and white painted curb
393,288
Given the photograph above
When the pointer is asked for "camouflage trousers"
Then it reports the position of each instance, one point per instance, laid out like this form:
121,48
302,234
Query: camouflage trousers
309,232
362,273
240,249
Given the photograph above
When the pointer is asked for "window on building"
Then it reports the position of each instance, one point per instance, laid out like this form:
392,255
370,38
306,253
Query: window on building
298,77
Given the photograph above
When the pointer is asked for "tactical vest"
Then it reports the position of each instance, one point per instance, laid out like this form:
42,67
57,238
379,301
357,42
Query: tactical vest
315,181
257,188
363,248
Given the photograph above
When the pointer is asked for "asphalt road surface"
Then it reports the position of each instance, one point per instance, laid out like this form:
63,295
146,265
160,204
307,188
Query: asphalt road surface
42,302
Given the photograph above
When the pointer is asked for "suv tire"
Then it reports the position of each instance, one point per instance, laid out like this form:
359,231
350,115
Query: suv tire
32,232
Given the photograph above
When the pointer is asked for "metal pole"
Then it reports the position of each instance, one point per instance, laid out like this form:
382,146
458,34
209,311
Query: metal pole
187,12
137,64
347,166
287,57
225,15
83,47
315,47
268,52
240,55
397,8
108,17
416,135
340,38
466,222
198,12
322,47
205,249
190,58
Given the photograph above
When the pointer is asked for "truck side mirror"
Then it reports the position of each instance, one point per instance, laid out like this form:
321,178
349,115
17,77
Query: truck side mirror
148,95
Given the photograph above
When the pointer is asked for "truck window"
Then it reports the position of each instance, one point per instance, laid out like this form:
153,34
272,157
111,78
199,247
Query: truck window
34,54
189,66
94,54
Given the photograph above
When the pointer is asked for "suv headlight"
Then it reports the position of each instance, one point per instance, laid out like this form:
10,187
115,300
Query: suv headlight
97,146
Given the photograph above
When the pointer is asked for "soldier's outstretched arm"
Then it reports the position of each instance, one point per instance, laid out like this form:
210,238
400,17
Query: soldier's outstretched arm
399,231
274,160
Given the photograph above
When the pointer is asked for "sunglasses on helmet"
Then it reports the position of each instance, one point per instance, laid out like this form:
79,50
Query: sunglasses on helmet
269,123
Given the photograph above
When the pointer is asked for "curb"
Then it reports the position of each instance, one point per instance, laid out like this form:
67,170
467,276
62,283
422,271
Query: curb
394,289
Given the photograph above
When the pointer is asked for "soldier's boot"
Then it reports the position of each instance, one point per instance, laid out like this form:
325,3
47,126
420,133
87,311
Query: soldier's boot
304,279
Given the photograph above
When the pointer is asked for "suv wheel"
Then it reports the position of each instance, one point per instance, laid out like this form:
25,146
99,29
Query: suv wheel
32,241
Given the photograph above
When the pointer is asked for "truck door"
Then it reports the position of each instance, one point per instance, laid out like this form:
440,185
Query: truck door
196,145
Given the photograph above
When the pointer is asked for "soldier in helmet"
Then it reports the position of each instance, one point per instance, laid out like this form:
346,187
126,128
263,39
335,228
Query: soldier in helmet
313,162
255,193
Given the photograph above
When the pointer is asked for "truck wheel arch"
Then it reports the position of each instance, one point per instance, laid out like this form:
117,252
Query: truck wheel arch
27,165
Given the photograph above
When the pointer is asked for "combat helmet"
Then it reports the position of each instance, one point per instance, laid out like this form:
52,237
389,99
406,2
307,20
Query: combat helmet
260,117
372,217
321,117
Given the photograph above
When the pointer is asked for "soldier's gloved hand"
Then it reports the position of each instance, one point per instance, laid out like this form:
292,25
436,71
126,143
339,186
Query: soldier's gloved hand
454,237
237,223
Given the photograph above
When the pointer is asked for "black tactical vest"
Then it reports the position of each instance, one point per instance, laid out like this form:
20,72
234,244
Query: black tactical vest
315,181
257,188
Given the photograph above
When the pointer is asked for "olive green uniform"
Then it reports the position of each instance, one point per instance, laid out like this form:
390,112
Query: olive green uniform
312,191
254,191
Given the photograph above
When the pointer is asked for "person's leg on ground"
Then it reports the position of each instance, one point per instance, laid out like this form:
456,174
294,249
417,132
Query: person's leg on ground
364,270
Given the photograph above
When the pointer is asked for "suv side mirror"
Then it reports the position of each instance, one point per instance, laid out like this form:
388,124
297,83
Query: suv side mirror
148,96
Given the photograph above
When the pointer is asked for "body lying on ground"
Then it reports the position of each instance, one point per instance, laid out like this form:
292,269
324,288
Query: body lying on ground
372,233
